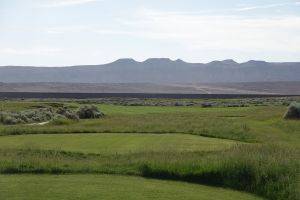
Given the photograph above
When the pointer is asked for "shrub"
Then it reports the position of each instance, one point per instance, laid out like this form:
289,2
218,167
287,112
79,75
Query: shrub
46,114
35,116
89,112
5,118
10,120
293,111
68,113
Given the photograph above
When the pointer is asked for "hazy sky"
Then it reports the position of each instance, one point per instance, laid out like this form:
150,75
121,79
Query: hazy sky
69,32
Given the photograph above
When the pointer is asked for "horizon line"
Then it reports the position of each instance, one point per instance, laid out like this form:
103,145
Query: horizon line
148,59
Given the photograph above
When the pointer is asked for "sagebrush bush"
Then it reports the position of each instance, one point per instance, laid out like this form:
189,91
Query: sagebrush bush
10,120
68,113
89,112
32,116
44,114
293,111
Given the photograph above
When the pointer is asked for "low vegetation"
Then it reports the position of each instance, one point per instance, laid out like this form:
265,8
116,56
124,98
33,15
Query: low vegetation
58,115
32,116
243,102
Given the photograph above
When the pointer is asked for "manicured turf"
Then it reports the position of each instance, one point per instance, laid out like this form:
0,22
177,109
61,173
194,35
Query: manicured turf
108,143
107,187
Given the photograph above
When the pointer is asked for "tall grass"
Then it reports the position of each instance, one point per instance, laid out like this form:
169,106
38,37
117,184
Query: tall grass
268,171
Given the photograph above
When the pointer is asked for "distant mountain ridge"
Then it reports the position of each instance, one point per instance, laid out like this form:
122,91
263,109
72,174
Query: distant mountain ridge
156,70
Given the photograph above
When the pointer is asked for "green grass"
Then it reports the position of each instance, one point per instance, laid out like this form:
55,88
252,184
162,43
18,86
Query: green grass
115,143
171,149
90,187
117,109
146,123
271,172
252,124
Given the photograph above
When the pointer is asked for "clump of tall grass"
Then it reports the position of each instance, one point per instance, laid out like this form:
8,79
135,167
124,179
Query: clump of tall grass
293,111
270,172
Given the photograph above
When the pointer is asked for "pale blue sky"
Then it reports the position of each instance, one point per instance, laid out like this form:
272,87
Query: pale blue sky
72,32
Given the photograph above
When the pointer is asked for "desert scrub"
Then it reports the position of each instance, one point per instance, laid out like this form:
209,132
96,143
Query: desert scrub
31,116
293,111
65,112
46,114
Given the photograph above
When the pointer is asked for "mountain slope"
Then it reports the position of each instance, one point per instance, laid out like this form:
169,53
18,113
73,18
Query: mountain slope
156,70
